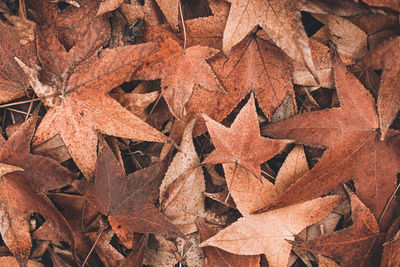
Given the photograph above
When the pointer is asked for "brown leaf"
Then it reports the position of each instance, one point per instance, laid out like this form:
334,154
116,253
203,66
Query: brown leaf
43,173
170,10
394,4
352,142
391,248
79,115
388,102
18,202
267,233
242,143
12,78
216,257
12,262
127,200
181,191
250,195
108,6
281,20
353,245
180,70
256,66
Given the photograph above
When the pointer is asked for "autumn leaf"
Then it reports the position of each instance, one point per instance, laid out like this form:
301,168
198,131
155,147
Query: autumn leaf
12,79
180,70
44,173
352,245
388,95
242,143
75,114
266,233
181,191
127,200
353,142
281,20
391,249
18,202
218,257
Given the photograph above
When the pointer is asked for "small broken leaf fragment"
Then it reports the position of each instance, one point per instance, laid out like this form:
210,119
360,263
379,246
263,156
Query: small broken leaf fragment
267,233
242,143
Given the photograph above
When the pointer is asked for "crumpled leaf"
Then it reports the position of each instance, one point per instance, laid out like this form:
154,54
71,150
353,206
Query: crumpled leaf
108,6
267,233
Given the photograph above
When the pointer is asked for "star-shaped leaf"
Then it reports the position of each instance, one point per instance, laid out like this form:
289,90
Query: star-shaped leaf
44,173
127,200
267,233
242,143
83,107
180,70
354,150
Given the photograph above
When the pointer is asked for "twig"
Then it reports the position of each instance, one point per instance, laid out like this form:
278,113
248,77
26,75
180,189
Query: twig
183,25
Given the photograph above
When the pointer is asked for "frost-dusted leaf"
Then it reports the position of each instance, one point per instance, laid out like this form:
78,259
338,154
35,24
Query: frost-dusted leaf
251,195
180,70
216,257
256,66
12,262
127,200
281,20
134,102
108,6
80,115
267,233
181,192
389,94
351,246
17,203
242,143
352,140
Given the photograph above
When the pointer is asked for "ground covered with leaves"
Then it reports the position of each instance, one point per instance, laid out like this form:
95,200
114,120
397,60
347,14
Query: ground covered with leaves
199,133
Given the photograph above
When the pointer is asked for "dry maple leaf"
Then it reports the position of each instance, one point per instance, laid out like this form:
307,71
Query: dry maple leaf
181,191
388,102
12,79
83,106
354,150
242,143
258,66
44,173
216,257
18,202
127,200
250,195
351,246
267,233
281,20
180,70
170,10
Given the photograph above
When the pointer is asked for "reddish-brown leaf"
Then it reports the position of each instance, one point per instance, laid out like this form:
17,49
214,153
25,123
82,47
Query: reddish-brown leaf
242,143
391,249
354,150
180,70
127,200
216,257
352,246
43,173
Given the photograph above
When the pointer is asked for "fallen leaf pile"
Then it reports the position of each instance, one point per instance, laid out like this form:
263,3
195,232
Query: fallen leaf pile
199,133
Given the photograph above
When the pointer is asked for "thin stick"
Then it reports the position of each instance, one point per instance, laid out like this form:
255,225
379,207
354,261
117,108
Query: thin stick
22,9
29,111
183,25
27,101
387,204
94,245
